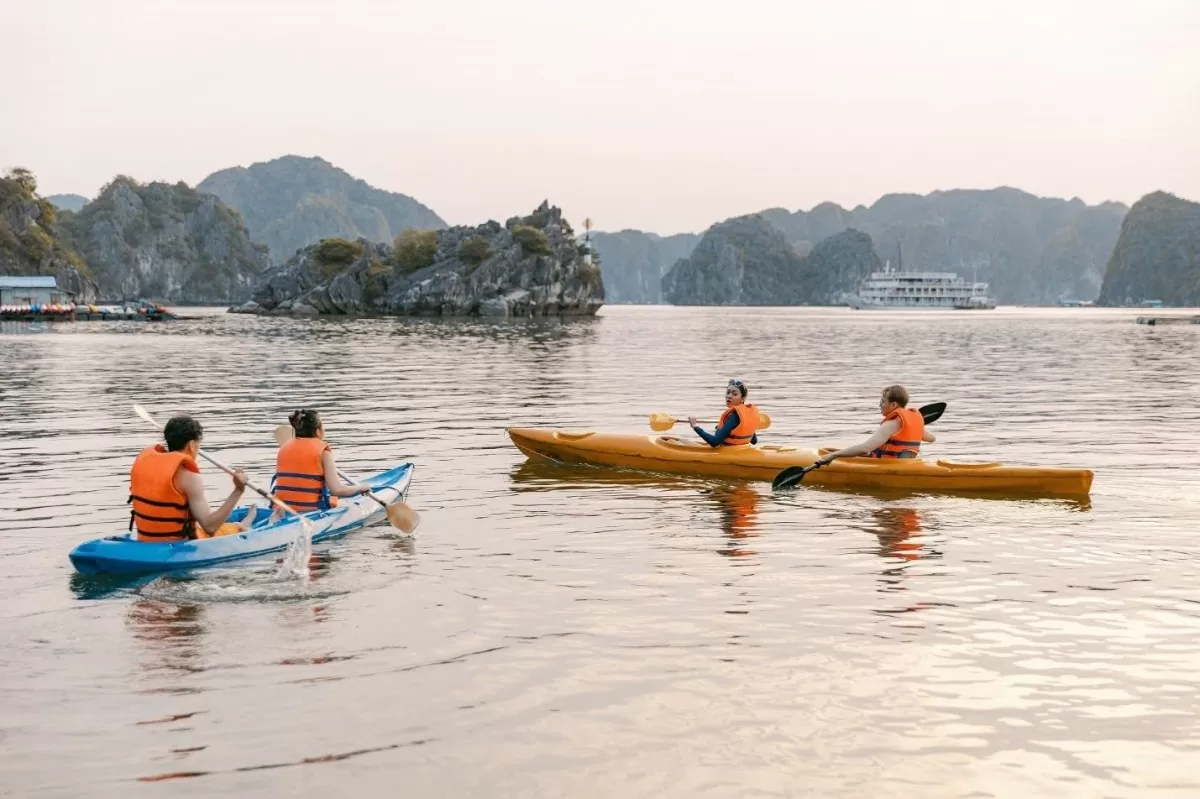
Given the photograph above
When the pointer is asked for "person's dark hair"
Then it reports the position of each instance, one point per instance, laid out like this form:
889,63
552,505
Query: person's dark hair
305,423
180,431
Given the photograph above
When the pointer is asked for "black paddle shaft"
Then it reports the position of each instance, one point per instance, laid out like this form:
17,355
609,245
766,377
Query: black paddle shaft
792,475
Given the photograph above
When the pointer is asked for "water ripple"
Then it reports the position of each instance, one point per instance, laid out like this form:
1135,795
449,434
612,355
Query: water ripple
586,632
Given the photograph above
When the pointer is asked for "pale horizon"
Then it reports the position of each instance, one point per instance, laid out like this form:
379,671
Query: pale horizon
664,117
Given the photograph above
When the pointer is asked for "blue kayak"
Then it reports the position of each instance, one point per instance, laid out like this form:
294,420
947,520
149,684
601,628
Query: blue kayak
124,554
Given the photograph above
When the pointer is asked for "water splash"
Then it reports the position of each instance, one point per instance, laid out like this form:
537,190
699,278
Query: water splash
295,561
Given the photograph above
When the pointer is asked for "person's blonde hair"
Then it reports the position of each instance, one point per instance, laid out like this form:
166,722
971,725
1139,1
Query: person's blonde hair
897,394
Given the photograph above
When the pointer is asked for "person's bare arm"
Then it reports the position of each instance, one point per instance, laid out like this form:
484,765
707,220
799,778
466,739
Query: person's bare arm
192,485
928,437
334,483
885,431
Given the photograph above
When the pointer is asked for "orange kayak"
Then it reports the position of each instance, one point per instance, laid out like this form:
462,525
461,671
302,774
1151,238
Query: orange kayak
763,461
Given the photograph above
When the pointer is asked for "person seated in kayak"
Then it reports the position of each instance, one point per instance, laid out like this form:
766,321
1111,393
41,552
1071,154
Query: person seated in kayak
166,490
737,425
899,435
306,473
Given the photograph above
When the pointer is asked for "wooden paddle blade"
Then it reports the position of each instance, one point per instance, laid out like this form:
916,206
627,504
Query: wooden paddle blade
403,517
284,433
661,421
932,412
142,412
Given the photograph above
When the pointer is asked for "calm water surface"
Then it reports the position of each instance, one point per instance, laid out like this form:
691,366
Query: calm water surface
579,632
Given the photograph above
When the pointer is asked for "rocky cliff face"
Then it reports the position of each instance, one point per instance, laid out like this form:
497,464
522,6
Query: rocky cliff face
1157,256
747,261
835,267
531,266
165,243
634,262
292,202
29,238
737,262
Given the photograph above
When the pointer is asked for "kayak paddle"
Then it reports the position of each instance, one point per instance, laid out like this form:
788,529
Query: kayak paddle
401,516
792,475
665,421
279,503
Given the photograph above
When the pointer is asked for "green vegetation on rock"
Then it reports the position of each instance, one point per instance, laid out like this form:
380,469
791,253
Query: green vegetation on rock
475,250
487,270
31,240
415,249
532,240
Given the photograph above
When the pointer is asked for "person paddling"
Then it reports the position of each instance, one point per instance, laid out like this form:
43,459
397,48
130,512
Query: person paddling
899,435
737,425
166,491
306,474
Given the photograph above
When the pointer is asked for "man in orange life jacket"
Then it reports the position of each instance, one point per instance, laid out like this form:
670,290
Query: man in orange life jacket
167,492
306,473
739,423
899,435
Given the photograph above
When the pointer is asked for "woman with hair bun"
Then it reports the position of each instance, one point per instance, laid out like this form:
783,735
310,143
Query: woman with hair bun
306,473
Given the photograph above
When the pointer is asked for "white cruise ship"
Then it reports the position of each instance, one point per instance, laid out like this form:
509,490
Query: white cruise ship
898,290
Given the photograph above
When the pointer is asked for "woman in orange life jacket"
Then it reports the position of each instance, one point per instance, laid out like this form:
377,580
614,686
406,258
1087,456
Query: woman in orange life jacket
167,492
739,423
306,474
899,435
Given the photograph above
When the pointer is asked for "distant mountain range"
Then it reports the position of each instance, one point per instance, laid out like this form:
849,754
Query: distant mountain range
291,202
633,263
68,202
1032,250
748,261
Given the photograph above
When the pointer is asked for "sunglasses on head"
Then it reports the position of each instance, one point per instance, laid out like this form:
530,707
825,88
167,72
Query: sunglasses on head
736,382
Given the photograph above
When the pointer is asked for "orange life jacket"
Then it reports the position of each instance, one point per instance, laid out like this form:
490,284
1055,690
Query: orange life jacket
905,442
747,424
299,476
160,510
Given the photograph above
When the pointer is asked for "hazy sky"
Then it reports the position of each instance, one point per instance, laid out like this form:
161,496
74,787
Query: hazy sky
665,115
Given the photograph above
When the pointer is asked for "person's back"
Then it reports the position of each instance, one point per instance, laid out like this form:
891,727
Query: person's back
166,492
300,475
306,476
159,508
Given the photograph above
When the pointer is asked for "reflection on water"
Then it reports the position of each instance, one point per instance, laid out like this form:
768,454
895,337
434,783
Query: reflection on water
899,532
551,623
172,634
738,508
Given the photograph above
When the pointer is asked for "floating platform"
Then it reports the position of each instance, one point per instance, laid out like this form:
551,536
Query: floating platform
143,311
